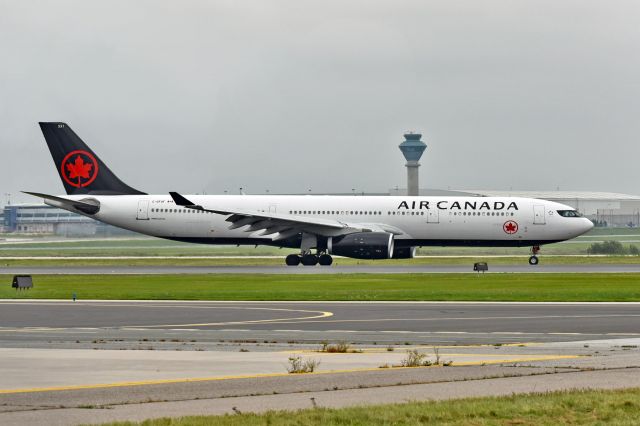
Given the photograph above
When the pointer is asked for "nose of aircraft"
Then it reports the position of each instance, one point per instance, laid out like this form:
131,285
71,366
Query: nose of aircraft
586,225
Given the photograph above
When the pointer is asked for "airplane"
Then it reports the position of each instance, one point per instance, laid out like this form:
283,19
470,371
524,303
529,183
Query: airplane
361,227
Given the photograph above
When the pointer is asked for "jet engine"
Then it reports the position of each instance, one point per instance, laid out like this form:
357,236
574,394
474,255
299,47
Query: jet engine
362,245
404,253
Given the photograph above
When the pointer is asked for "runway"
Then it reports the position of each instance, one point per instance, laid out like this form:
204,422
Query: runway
34,323
335,269
135,360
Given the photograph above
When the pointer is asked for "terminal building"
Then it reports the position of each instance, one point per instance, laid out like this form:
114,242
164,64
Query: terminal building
44,219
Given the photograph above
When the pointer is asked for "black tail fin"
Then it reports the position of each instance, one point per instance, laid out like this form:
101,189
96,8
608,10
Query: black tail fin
81,171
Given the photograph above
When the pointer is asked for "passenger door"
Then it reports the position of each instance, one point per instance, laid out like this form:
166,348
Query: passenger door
143,210
539,215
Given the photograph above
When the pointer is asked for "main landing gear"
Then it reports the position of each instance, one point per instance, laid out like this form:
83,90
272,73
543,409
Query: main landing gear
306,257
533,260
309,259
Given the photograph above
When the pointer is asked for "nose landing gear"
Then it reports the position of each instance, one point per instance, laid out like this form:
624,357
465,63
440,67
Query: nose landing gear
533,260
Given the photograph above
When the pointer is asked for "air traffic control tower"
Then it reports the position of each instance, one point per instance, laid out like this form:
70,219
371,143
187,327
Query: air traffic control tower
412,149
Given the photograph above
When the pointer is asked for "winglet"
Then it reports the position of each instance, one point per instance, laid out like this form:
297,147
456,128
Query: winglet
182,201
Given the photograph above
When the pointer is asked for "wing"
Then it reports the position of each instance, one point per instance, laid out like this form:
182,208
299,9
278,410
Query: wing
283,226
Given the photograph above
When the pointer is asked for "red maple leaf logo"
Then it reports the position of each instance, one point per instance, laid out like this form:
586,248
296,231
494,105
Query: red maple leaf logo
510,227
79,168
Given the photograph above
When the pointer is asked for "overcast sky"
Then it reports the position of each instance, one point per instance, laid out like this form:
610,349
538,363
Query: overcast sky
290,95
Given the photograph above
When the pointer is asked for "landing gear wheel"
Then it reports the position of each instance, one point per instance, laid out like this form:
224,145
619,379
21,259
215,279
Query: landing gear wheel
292,260
325,260
533,260
309,260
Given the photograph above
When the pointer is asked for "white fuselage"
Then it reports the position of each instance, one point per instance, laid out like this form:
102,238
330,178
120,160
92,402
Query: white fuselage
486,221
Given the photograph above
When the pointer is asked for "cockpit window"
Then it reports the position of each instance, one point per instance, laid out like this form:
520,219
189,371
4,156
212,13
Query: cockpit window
569,213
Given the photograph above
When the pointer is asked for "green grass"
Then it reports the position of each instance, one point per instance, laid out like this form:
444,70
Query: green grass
621,407
461,287
279,261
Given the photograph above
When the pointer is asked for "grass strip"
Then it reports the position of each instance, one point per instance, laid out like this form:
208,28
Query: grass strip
619,407
337,287
279,261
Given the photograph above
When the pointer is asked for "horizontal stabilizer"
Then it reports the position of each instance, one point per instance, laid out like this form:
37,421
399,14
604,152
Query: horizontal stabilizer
89,206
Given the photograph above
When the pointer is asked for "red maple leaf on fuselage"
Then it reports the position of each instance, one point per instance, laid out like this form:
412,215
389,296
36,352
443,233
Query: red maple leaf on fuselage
510,227
79,169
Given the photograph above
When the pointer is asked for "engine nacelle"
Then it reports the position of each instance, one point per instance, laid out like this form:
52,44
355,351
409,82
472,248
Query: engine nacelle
404,252
362,245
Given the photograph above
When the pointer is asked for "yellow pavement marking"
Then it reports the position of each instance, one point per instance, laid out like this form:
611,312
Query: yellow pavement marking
254,376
